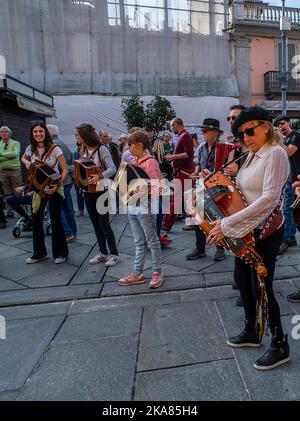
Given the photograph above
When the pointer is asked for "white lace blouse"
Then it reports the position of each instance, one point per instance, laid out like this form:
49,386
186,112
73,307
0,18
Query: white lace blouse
261,180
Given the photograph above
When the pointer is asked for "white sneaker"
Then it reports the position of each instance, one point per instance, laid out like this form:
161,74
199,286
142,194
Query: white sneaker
59,260
112,260
32,260
99,258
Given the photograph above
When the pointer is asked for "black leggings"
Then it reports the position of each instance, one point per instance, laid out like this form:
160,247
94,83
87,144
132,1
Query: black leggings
59,243
101,224
246,278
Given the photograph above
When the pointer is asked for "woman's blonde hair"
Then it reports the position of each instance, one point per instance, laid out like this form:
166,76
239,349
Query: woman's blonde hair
272,138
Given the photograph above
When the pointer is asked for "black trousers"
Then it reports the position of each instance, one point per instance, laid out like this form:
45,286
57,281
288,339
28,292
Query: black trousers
2,216
201,240
246,278
101,224
59,243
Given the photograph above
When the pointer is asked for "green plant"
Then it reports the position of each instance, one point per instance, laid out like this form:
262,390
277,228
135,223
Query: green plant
133,112
158,114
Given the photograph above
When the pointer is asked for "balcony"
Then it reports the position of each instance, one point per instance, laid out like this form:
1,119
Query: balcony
273,82
261,13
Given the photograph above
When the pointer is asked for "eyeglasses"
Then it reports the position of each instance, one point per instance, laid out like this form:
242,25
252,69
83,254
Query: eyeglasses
248,132
231,117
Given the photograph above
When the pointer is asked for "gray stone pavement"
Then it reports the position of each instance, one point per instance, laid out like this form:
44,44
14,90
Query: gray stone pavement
72,333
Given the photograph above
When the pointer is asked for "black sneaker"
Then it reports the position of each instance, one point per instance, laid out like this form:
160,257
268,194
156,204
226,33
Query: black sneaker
195,254
219,255
245,339
277,354
292,242
294,297
283,248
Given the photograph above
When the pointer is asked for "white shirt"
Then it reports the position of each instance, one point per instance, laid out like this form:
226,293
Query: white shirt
261,182
51,160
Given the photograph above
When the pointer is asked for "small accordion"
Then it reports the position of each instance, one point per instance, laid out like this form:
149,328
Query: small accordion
132,182
40,177
84,170
225,152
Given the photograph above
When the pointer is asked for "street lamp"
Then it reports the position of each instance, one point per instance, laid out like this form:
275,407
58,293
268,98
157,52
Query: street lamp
285,25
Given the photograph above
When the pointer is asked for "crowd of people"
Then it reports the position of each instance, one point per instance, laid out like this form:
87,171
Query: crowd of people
265,167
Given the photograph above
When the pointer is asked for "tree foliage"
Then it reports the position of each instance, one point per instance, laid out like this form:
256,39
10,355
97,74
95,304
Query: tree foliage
156,115
133,112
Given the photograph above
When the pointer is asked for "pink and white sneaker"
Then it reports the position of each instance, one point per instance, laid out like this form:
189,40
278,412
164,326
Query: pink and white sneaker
156,279
131,279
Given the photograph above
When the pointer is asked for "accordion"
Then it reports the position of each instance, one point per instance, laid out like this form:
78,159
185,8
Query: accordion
84,170
225,152
132,182
40,177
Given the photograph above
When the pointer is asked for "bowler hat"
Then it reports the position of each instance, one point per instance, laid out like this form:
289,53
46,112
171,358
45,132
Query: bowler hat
211,124
251,113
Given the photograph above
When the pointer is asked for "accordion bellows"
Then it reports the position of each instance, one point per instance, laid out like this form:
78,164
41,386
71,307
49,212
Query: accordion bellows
85,169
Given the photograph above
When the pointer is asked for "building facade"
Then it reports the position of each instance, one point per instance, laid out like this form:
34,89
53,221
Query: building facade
119,47
256,50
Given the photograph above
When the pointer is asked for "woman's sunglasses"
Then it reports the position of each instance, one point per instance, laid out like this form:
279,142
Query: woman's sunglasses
231,117
248,132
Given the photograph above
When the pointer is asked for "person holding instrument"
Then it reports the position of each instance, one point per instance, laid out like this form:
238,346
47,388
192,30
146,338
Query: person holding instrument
42,149
261,179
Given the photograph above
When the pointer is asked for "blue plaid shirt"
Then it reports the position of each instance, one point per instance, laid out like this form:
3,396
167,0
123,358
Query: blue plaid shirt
206,159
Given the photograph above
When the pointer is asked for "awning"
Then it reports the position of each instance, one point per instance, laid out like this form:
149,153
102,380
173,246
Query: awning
27,104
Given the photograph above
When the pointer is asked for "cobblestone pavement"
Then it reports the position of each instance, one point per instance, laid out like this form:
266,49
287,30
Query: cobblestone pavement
72,333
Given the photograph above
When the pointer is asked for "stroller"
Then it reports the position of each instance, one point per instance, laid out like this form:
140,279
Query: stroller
22,223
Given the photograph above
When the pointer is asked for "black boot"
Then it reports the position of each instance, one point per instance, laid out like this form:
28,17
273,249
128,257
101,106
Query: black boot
277,354
247,338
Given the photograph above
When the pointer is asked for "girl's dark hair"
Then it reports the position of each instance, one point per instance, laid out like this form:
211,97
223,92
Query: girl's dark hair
47,142
140,136
89,135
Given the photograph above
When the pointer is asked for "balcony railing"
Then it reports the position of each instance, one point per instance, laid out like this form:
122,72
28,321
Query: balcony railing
261,13
273,82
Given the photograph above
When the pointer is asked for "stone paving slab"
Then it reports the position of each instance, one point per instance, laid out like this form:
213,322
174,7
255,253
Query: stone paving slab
87,238
21,270
229,312
9,252
285,272
181,334
280,384
174,271
100,324
140,300
170,283
43,295
213,381
78,252
89,274
6,285
8,397
26,341
101,370
36,310
219,278
60,275
178,260
212,293
291,258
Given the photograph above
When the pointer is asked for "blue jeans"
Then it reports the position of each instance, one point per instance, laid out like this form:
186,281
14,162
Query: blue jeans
80,198
67,212
144,234
289,226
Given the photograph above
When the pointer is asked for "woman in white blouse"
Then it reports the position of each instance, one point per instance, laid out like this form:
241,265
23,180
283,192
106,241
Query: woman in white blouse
261,179
95,151
41,148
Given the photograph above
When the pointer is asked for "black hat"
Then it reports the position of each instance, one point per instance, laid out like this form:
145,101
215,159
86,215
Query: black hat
211,124
280,117
251,113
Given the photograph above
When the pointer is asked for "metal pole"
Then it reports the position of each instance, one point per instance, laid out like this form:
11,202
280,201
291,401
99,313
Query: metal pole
283,67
